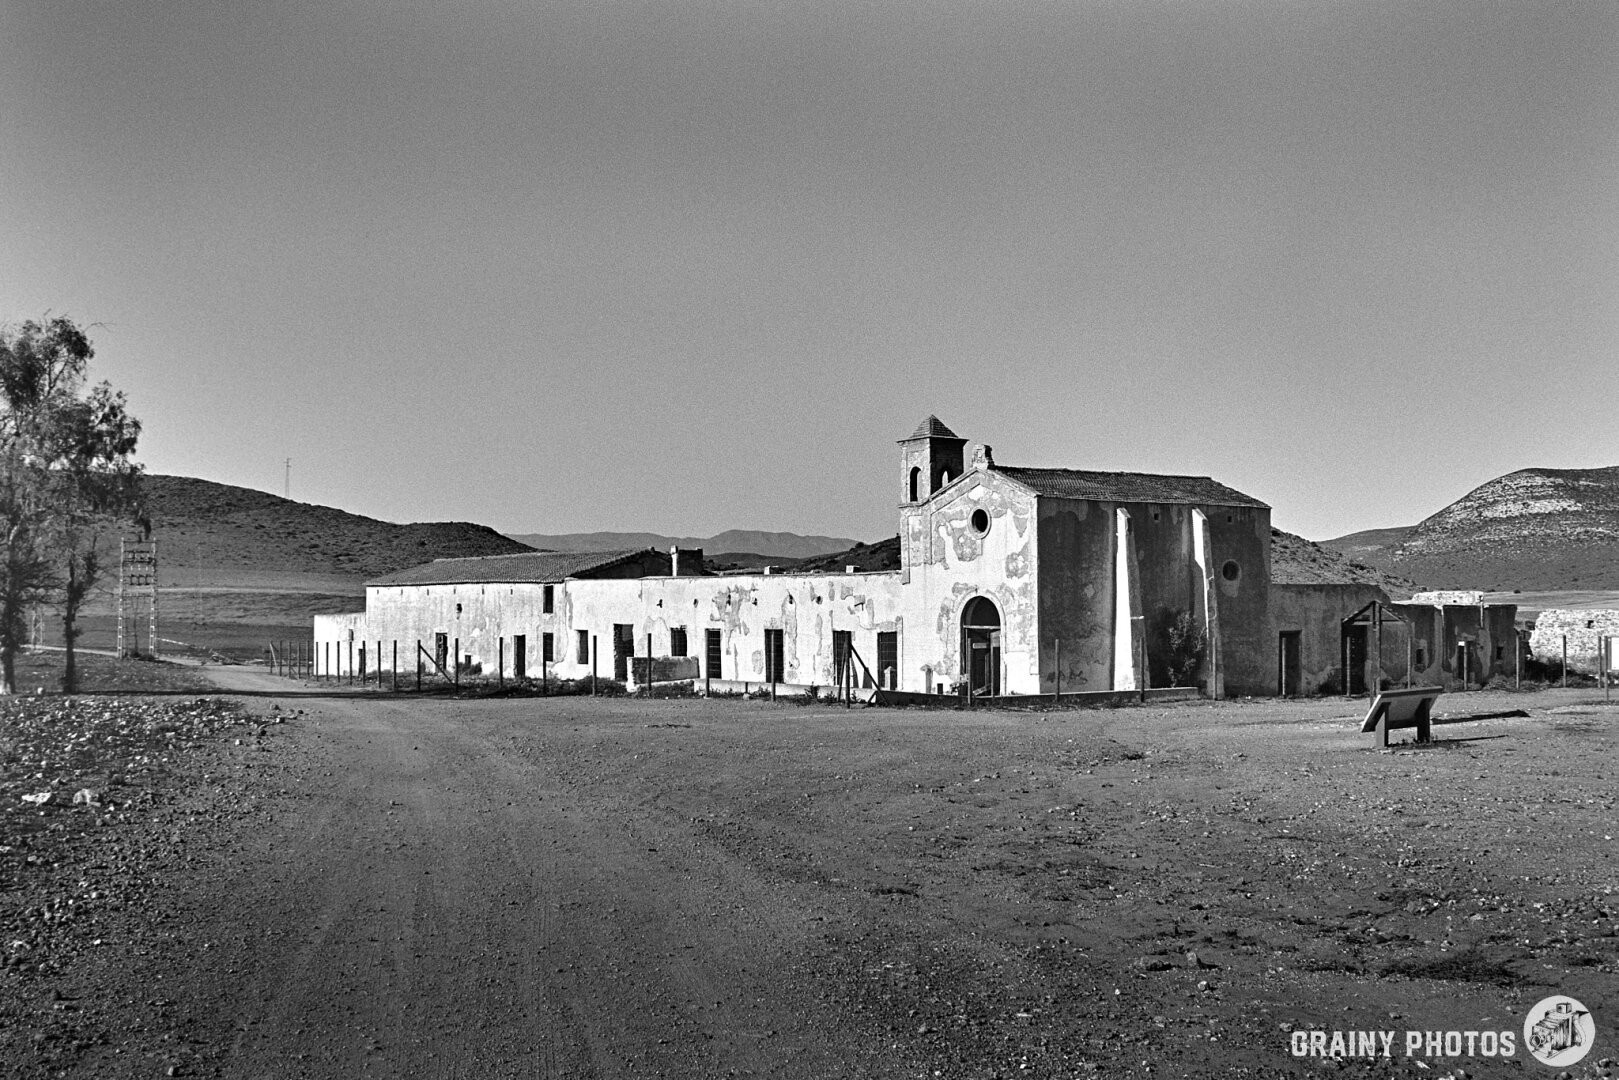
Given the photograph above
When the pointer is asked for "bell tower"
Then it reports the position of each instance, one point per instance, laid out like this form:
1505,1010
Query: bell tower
929,459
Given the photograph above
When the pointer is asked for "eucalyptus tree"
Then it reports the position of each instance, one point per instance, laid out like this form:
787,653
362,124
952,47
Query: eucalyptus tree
67,478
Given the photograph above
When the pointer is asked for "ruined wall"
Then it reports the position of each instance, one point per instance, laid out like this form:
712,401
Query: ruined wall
1439,633
1585,631
1316,612
950,560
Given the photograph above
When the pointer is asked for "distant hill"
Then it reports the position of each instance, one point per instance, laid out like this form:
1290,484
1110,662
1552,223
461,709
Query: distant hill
199,523
1535,529
883,555
1297,561
1369,544
773,545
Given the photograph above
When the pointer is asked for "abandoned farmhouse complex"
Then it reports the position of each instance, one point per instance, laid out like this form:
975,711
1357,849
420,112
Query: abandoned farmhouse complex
1012,581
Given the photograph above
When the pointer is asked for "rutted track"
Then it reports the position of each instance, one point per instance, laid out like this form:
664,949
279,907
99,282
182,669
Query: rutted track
565,887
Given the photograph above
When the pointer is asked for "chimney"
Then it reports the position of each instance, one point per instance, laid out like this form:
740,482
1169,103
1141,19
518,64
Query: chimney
674,562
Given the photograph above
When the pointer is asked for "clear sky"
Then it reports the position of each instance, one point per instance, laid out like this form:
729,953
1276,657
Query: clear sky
688,266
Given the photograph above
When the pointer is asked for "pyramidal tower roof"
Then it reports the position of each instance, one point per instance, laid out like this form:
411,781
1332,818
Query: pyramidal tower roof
932,428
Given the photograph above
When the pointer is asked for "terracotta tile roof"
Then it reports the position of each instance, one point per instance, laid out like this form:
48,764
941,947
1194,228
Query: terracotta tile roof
1127,487
932,428
532,566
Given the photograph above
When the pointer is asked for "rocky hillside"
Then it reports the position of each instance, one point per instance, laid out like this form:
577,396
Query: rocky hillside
1532,529
1297,561
883,555
1369,545
199,523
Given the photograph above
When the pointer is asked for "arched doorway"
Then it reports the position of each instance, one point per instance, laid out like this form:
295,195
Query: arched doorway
981,646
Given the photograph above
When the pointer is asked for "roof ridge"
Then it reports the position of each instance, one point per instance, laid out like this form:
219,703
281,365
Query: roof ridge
1099,472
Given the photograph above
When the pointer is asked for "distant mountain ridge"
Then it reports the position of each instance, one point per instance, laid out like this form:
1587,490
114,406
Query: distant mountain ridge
780,545
202,523
1534,529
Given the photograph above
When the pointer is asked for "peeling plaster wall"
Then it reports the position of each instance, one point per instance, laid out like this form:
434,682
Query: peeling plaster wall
948,563
1489,632
1076,594
1317,612
805,608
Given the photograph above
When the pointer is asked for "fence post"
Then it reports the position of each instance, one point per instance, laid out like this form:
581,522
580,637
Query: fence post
396,665
1565,661
649,665
595,649
418,665
500,661
455,664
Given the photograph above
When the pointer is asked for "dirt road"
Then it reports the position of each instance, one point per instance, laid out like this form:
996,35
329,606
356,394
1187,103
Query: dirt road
570,887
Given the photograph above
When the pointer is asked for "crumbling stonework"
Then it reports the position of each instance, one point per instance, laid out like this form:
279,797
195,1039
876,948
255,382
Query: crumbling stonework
1584,632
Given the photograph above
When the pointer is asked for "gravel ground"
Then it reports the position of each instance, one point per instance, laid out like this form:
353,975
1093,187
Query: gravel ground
389,886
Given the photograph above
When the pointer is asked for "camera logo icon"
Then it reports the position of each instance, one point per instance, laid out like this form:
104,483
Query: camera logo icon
1559,1031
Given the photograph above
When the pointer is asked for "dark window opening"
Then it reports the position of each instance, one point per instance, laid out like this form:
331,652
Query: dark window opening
548,648
1231,571
677,641
548,602
842,654
584,646
714,654
916,484
888,658
980,521
775,668
1422,656
623,649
